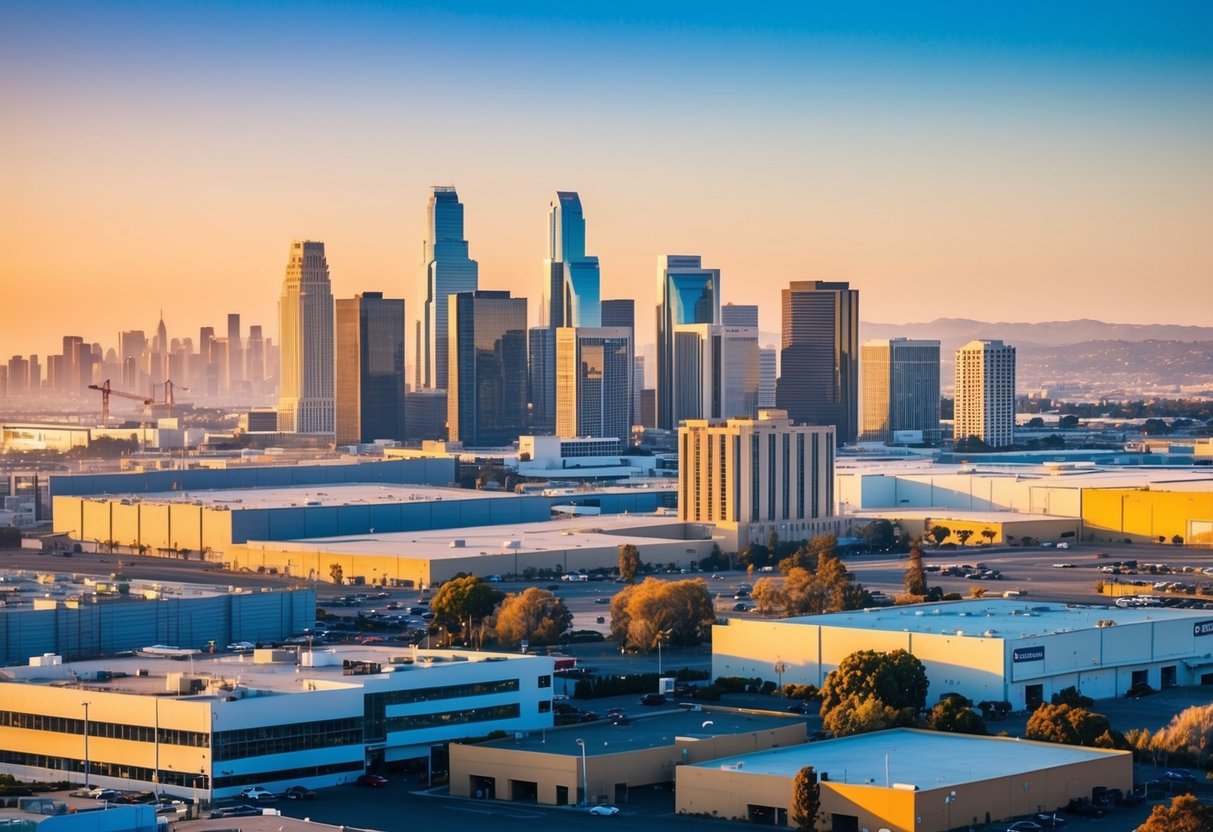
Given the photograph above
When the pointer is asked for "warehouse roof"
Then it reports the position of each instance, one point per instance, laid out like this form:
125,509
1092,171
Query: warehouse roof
994,618
335,494
922,759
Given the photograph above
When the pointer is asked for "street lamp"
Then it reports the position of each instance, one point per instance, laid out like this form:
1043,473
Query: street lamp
585,781
86,783
947,802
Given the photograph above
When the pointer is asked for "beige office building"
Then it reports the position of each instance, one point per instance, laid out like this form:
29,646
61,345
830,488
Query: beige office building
900,383
751,477
985,393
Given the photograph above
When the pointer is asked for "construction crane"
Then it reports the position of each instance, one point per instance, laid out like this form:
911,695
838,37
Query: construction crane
169,400
107,391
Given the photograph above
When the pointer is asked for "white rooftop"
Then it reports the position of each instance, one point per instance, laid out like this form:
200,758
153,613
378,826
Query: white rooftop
336,494
592,532
1008,619
926,759
1074,474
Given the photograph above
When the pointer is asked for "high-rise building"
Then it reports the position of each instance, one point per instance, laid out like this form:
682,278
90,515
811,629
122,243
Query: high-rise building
370,369
35,374
541,379
425,415
235,352
223,367
767,376
448,270
819,366
736,314
622,312
486,397
637,385
158,368
571,288
594,382
900,380
305,314
254,357
751,477
717,371
985,393
69,376
18,375
687,293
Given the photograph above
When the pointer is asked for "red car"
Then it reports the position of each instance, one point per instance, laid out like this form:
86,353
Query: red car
373,781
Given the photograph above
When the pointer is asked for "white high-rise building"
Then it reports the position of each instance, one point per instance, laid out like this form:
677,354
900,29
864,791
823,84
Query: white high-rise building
768,374
985,393
305,315
594,382
717,368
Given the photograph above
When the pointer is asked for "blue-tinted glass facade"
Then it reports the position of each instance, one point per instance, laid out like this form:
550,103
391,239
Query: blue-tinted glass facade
448,270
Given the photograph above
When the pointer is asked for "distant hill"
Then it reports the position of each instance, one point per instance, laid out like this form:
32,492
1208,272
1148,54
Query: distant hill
953,332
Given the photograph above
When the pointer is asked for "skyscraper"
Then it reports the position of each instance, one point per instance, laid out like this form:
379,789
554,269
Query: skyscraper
571,289
370,369
687,293
819,367
622,312
717,371
985,393
767,376
254,357
448,270
305,314
900,389
541,379
594,382
486,398
736,314
235,352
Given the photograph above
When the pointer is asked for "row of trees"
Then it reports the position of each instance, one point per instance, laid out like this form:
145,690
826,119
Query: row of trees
816,581
472,608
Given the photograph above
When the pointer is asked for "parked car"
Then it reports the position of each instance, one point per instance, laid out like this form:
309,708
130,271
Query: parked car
741,606
800,708
258,793
299,793
1025,826
604,811
1178,776
241,646
241,811
104,794
652,699
1052,821
372,781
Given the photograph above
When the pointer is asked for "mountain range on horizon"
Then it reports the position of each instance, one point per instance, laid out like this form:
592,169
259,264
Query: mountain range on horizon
958,331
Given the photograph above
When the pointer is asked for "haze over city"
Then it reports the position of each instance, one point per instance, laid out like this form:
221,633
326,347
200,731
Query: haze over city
1011,164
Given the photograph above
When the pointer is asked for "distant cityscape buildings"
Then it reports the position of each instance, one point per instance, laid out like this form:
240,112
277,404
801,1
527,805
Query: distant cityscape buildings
687,293
594,382
305,315
900,390
370,369
448,271
985,393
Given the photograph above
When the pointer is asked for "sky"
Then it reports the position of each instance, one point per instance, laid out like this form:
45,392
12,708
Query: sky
1028,161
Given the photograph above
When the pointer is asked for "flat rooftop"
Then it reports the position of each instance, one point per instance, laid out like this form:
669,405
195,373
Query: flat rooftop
282,677
587,532
335,494
926,759
646,729
1070,475
1003,619
959,514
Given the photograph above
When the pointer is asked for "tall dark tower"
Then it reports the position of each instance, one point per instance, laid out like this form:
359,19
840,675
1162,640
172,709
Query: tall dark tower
819,379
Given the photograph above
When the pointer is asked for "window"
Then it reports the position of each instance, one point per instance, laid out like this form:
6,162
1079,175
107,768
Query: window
545,681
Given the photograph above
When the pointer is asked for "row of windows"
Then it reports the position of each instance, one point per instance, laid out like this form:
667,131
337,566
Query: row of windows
375,705
282,739
101,768
414,722
107,730
259,777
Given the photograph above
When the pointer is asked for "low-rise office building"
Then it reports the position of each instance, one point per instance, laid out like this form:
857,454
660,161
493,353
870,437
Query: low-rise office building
208,726
903,780
1017,651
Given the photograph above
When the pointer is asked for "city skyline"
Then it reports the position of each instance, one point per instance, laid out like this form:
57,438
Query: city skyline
149,167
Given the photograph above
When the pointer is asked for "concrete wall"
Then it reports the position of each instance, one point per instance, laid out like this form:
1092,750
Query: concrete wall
1113,514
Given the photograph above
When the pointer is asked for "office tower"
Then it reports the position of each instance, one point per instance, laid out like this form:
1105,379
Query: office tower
541,379
736,314
18,375
486,397
178,366
571,289
648,407
305,313
754,476
4,391
35,374
687,293
418,351
819,366
273,364
425,415
900,380
985,393
254,357
132,344
637,384
623,313
370,369
222,364
54,372
160,350
766,377
68,375
448,270
205,335
594,382
235,352
717,372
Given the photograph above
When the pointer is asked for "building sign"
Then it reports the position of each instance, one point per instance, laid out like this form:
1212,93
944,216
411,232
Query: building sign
1202,628
1030,654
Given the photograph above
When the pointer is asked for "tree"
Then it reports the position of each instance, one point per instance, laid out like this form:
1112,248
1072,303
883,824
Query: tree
773,544
462,602
629,562
939,534
1067,724
861,715
963,536
678,613
806,799
1189,732
1185,814
337,573
954,714
989,535
879,535
896,680
1070,696
1178,540
534,614
915,575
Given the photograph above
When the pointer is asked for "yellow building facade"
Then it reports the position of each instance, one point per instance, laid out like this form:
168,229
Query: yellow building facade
1115,514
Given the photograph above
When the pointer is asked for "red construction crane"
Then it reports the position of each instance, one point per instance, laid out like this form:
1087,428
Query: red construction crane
169,400
107,391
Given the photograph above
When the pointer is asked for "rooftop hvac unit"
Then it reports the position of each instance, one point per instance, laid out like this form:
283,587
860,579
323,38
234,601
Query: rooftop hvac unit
458,543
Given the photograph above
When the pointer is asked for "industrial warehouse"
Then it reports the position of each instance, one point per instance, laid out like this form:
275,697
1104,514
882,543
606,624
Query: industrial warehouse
991,650
206,726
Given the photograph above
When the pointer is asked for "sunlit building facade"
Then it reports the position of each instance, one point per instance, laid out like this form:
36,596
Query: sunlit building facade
900,378
594,382
305,315
448,270
370,369
687,293
572,288
717,370
985,393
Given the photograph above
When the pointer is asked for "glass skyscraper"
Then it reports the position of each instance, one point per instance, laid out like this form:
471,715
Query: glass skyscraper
900,379
571,290
594,382
305,312
448,270
370,369
487,395
687,293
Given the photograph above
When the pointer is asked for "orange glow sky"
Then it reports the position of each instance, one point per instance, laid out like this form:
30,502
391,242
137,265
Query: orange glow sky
165,158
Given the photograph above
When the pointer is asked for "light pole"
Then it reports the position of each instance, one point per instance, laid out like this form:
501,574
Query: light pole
585,780
86,783
947,802
780,667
